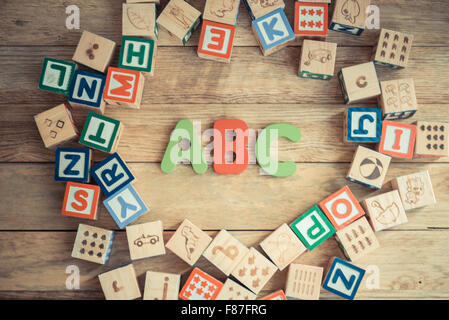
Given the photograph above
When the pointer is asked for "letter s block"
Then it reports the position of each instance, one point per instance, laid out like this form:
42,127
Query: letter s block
216,41
81,200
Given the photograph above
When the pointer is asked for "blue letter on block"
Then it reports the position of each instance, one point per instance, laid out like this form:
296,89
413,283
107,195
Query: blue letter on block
273,29
87,88
343,278
364,124
72,164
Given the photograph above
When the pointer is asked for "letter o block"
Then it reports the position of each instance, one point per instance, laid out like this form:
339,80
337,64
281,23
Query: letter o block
216,41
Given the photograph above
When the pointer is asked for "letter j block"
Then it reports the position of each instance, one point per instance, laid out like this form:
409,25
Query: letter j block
362,125
124,87
81,200
398,139
216,41
343,278
100,132
56,75
137,54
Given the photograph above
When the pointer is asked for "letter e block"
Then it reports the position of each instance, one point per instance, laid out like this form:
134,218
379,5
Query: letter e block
303,282
359,82
73,164
398,139
161,286
93,244
81,200
56,75
138,54
415,190
120,284
216,41
200,286
100,132
87,91
124,87
362,125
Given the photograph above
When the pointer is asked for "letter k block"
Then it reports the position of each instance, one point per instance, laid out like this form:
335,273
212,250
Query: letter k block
216,41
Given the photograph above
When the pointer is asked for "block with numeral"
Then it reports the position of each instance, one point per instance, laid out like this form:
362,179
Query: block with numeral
259,8
101,132
222,11
139,19
311,19
161,286
277,295
432,139
93,244
87,91
343,278
145,240
73,164
359,82
349,16
124,87
393,49
415,190
317,59
231,290
303,281
120,284
398,139
200,286
362,125
81,200
398,99
216,41
56,75
138,54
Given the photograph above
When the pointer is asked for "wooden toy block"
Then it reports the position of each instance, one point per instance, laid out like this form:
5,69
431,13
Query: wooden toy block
385,210
398,99
315,1
415,190
349,16
368,168
312,228
143,1
282,246
362,125
188,242
125,206
398,139
357,239
101,132
317,59
139,19
93,244
124,87
87,91
145,240
254,271
81,200
161,286
94,51
303,281
112,174
120,284
56,126
393,49
73,164
180,19
359,82
272,31
56,75
138,54
225,252
231,290
343,278
222,11
216,41
432,139
311,19
259,8
200,286
277,295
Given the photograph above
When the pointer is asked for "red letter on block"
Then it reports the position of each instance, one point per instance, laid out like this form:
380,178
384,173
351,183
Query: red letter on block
219,41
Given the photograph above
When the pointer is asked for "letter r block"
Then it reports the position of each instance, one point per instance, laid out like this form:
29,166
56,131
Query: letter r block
124,87
81,200
397,139
216,41
138,54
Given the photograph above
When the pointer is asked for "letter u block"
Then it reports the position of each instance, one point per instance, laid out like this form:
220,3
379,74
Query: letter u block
216,41
138,54
398,139
343,278
81,200
87,90
124,87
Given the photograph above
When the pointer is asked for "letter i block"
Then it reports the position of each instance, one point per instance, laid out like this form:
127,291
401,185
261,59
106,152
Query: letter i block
222,11
112,174
161,286
311,19
349,16
362,125
100,132
93,244
398,139
317,59
273,31
257,9
138,54
87,90
124,87
343,278
216,41
81,200
139,19
313,228
200,286
73,164
359,82
56,75
393,49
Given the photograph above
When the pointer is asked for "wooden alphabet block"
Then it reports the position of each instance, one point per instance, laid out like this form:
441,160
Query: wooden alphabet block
180,19
385,210
225,252
311,19
124,87
259,8
254,271
73,164
282,246
432,139
393,49
138,54
357,239
216,41
343,278
188,242
125,206
398,139
81,200
94,51
93,244
101,132
272,31
359,82
87,91
317,59
415,190
56,75
145,240
120,284
312,228
139,19
56,126
161,286
349,16
231,290
368,168
143,1
398,99
222,11
303,281
362,125
200,286
277,295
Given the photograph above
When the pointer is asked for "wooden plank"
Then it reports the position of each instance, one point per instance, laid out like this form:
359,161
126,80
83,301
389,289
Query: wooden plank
247,201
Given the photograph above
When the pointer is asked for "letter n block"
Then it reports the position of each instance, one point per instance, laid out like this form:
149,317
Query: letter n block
343,278
138,54
398,139
73,164
56,75
362,125
200,286
216,41
93,244
87,90
349,16
81,200
311,19
100,132
359,82
124,87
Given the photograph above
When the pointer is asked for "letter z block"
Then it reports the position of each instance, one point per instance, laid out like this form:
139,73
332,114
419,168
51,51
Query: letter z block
138,54
73,164
93,244
349,16
216,41
317,59
362,125
343,278
359,82
200,286
398,139
101,132
56,75
87,91
81,200
311,19
124,87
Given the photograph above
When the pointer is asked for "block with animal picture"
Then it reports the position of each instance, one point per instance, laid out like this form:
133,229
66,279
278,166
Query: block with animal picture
398,99
231,290
93,244
200,286
393,49
432,139
180,19
359,82
311,19
56,75
277,295
282,246
145,240
139,19
138,54
385,211
415,190
397,139
225,252
259,8
56,126
216,41
188,242
161,286
362,125
101,133
222,11
87,90
81,200
124,87
303,281
349,16
143,1
120,283
317,59
343,278
368,168
73,164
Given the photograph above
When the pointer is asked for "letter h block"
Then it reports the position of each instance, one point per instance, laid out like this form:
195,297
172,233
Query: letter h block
343,278
362,125
100,132
81,200
87,91
73,164
349,16
124,87
56,75
216,41
398,139
138,54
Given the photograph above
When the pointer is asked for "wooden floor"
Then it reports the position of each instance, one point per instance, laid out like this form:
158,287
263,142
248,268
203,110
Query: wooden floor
36,240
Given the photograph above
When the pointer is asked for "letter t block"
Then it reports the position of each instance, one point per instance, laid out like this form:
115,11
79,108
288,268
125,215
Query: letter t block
216,41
